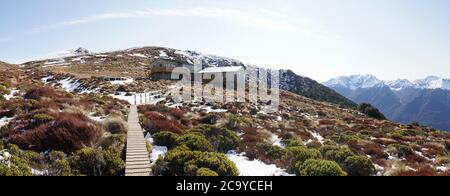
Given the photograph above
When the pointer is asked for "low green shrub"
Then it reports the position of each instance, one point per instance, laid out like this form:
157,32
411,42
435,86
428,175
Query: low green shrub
235,121
42,118
167,139
270,150
359,166
195,142
60,168
300,154
16,167
116,141
97,162
183,162
313,167
206,172
33,157
336,153
402,150
3,91
222,139
13,149
292,142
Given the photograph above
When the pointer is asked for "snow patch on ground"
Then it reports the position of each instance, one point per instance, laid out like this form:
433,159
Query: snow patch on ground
162,53
421,154
96,118
279,118
55,62
379,169
46,79
138,55
318,137
37,172
59,62
88,91
4,121
4,157
442,168
172,105
80,59
11,94
209,109
157,150
255,167
123,96
69,84
276,141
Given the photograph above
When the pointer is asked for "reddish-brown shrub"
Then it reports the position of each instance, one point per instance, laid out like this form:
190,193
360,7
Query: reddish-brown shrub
209,119
385,141
249,130
233,111
45,104
375,151
423,171
186,122
354,144
69,132
415,158
153,108
154,122
38,93
154,116
327,122
434,148
177,113
251,135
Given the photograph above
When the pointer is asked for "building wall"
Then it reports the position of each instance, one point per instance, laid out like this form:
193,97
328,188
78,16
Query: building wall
161,76
162,69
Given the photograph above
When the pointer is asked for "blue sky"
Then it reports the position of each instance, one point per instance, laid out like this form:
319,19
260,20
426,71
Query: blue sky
317,38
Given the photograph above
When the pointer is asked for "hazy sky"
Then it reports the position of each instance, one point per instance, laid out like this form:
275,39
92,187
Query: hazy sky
315,38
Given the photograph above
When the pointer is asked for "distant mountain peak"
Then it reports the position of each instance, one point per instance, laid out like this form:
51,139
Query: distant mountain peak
433,82
400,84
354,82
82,51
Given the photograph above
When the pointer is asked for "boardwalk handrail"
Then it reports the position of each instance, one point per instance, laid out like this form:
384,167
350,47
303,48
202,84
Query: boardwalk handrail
143,98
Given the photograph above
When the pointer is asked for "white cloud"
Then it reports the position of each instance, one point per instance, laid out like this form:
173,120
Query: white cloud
265,19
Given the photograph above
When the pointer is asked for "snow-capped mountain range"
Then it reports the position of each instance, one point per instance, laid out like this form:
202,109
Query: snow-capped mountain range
368,81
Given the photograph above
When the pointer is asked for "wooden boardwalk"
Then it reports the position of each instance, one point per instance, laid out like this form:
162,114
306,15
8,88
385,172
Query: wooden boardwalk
137,157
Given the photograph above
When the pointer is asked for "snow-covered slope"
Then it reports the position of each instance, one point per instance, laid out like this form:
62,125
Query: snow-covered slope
211,60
